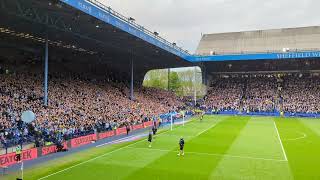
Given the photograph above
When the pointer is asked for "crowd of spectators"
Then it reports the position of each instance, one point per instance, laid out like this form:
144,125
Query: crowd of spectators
301,94
261,94
225,94
292,93
77,106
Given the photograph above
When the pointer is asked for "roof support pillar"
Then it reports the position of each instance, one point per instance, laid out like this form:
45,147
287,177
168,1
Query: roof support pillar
168,79
46,67
132,81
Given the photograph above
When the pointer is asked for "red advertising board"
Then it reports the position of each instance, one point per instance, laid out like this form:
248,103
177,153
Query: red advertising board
76,142
51,149
9,159
106,134
121,130
135,127
147,124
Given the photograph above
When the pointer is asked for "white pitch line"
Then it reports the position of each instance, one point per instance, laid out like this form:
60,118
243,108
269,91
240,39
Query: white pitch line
284,152
118,140
84,162
304,135
214,154
207,129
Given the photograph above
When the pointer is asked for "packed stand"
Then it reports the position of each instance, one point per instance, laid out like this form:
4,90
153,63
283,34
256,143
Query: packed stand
301,94
225,94
77,106
261,94
293,93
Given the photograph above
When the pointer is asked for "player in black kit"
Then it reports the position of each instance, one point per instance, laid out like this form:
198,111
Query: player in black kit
150,139
201,115
181,145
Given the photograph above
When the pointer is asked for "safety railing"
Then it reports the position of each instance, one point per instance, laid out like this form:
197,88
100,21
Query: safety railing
258,52
133,24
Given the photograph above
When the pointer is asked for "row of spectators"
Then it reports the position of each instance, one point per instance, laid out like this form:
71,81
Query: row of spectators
294,93
225,94
77,106
261,94
301,94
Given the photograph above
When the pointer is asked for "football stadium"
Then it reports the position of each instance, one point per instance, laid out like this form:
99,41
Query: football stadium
73,104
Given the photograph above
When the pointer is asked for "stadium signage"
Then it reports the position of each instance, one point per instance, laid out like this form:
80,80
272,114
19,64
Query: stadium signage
9,159
108,17
51,149
140,126
147,124
85,7
121,131
30,154
83,140
106,134
298,55
248,57
104,16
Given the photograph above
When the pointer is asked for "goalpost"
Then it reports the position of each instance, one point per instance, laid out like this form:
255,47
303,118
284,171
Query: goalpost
172,123
183,118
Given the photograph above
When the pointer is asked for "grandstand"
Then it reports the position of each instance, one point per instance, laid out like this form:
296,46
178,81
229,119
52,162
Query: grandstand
74,35
49,48
267,85
261,41
79,66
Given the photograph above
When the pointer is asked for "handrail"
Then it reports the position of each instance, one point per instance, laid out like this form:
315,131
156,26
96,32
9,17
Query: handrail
132,23
261,52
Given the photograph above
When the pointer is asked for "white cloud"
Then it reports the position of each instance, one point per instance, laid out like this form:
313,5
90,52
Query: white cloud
183,21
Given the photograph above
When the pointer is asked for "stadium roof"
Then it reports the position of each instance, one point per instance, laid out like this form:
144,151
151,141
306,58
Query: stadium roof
274,44
261,41
85,32
81,33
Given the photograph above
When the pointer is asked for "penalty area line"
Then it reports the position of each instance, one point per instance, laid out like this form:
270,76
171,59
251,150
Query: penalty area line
283,151
213,125
122,139
213,154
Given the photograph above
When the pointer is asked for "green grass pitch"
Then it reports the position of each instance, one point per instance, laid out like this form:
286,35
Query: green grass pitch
220,147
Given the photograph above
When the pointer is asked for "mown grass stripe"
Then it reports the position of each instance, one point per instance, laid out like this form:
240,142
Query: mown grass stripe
235,148
280,141
193,166
303,154
103,155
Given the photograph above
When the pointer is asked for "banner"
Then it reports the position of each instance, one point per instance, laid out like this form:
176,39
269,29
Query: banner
51,149
136,30
83,140
106,134
121,131
147,124
135,127
9,159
